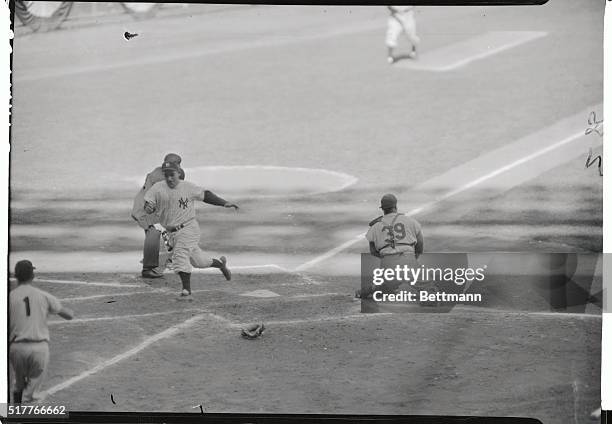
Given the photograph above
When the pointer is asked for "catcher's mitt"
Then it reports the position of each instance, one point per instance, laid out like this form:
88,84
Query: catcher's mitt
253,331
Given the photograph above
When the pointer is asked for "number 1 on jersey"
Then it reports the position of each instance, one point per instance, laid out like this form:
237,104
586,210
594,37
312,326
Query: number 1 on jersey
27,302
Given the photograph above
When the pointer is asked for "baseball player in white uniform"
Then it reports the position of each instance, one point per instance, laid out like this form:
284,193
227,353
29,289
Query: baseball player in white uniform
174,200
395,238
401,20
29,308
150,261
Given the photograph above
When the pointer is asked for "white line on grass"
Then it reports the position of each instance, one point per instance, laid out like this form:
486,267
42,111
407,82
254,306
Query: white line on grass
221,319
88,283
333,252
457,55
98,296
322,319
213,270
497,172
310,296
151,340
114,317
485,310
489,52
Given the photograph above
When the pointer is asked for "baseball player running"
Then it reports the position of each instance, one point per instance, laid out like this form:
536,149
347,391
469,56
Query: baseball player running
29,308
174,200
395,238
150,261
401,20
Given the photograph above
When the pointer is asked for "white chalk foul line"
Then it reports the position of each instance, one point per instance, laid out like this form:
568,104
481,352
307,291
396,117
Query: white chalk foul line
457,55
497,172
88,283
322,319
151,340
489,52
484,310
332,252
233,268
98,296
121,317
312,296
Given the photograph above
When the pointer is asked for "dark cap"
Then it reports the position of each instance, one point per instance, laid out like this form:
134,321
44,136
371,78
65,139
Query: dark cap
172,157
171,166
388,201
24,270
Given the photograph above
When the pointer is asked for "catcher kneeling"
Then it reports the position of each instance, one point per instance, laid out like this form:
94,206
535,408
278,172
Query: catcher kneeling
396,239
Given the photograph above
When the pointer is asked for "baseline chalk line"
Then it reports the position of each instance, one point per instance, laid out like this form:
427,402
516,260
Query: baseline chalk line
169,332
333,252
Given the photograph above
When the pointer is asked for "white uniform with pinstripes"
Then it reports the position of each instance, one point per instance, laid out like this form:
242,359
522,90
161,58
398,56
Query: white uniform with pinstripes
176,206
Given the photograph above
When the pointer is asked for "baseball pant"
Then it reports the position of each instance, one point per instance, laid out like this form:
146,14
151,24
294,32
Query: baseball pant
391,261
401,23
29,361
185,258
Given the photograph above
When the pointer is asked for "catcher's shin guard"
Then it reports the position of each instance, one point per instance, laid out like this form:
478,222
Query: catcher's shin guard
151,249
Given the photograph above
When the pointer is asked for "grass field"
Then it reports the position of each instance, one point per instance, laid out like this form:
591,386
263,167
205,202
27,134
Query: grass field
488,156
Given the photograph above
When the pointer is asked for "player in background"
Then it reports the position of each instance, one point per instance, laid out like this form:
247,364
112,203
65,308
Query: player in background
394,233
173,200
150,261
401,20
395,238
29,308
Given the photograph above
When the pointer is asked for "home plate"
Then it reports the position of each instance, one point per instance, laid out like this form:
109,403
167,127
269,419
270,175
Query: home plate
260,293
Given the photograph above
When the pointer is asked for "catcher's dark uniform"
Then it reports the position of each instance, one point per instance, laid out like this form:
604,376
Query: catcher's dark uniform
146,221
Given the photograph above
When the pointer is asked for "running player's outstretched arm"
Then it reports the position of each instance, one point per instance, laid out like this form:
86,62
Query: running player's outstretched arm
66,313
212,199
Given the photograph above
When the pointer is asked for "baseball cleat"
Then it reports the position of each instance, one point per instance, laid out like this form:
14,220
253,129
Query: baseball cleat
37,397
185,296
413,54
359,295
151,273
224,269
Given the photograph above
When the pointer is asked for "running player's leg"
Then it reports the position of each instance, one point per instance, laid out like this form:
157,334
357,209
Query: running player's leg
410,30
394,29
201,259
38,361
182,266
17,358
